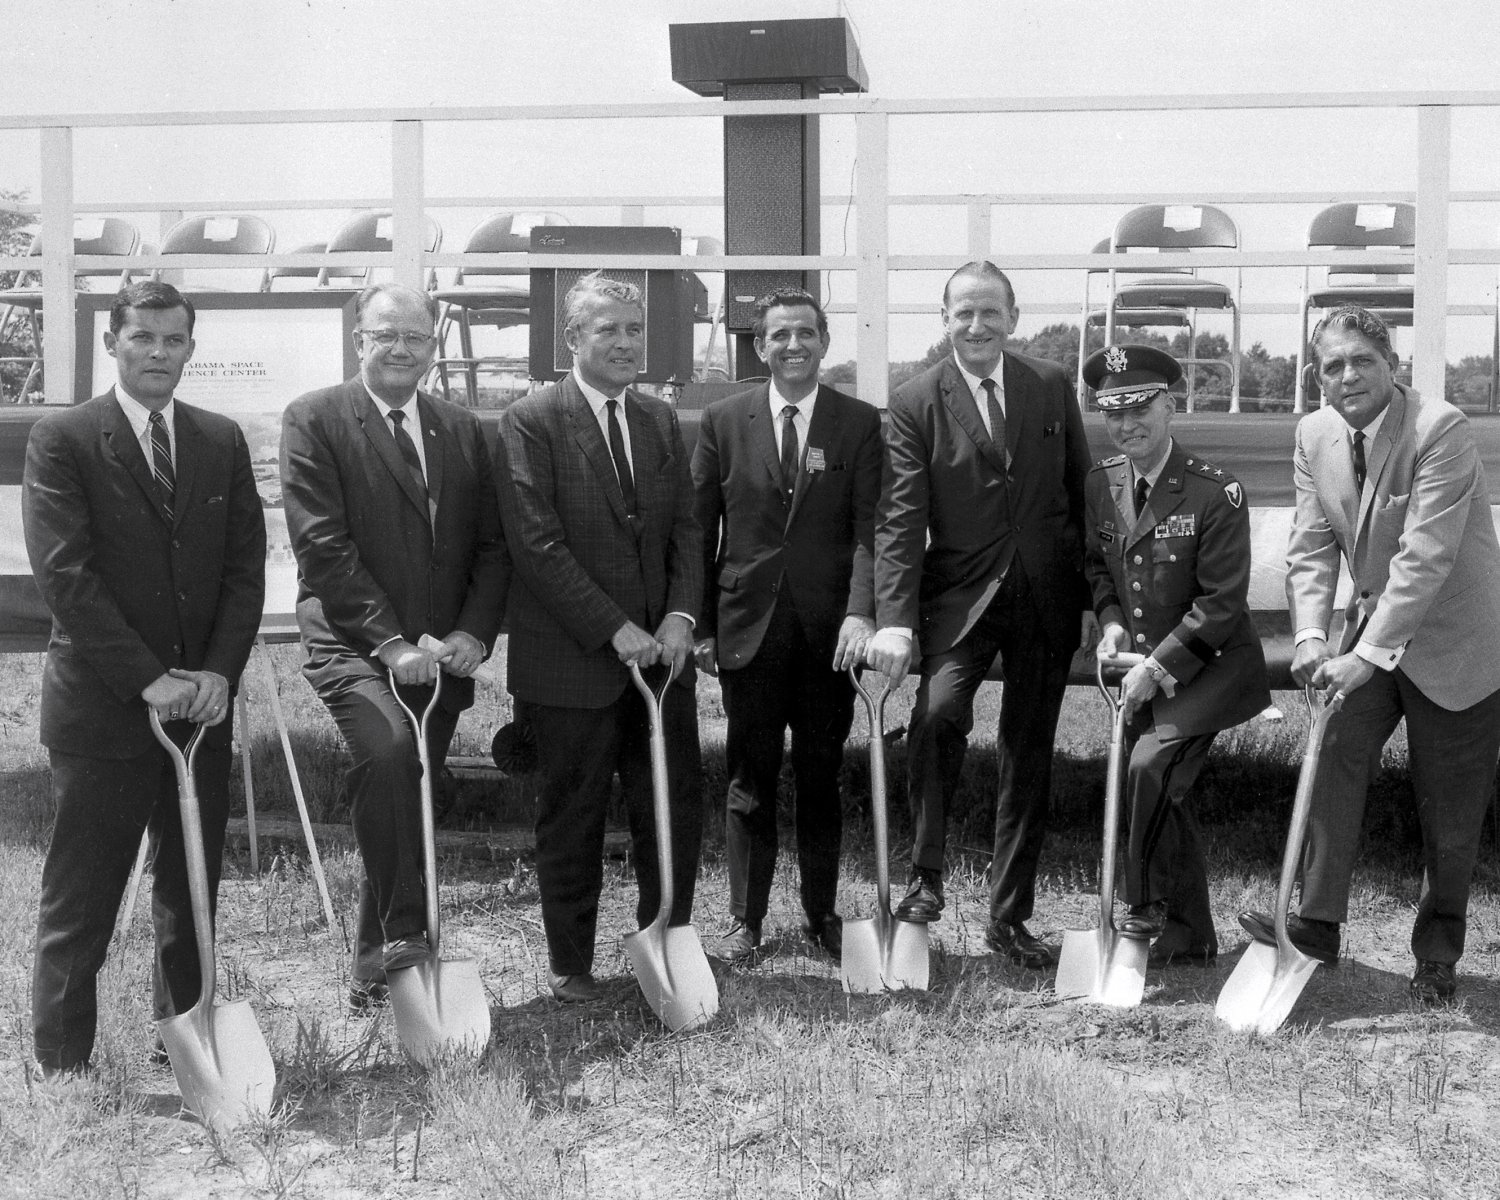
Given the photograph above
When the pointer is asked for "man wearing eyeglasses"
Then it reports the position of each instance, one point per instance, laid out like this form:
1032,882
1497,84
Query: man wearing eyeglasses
390,504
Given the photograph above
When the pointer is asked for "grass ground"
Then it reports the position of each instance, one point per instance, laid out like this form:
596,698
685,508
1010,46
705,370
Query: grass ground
984,1086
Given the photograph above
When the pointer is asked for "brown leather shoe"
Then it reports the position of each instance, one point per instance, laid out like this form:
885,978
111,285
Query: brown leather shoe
741,945
575,989
826,930
1015,942
1433,983
923,902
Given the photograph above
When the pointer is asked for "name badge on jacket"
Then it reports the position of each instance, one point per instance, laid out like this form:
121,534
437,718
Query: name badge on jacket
815,459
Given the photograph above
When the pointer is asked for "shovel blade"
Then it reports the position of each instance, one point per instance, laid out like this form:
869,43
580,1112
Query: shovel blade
441,1009
221,1062
1100,966
891,959
1264,986
674,974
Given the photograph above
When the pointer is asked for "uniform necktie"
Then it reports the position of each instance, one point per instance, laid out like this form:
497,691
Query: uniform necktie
1142,491
622,460
408,448
161,462
996,416
789,454
1359,459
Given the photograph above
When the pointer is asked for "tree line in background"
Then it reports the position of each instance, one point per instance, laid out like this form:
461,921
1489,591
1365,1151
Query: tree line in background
16,341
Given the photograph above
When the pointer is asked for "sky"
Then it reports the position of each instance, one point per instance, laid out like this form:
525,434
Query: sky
92,56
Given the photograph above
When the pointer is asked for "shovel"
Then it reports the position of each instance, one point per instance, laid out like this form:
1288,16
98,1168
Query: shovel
1100,965
668,961
881,953
440,1006
1268,979
218,1053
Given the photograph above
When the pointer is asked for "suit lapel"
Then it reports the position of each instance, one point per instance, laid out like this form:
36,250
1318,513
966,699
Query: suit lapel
590,439
961,403
190,449
121,441
764,435
433,442
1377,455
1018,412
364,412
1340,474
1119,490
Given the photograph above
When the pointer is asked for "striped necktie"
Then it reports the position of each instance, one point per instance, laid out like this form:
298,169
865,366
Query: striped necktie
161,463
408,449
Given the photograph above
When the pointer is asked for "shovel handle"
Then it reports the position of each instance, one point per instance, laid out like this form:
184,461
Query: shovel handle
429,832
661,804
875,707
184,761
1119,664
1319,712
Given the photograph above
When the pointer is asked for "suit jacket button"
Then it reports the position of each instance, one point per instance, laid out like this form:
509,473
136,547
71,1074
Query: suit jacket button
1136,585
1137,612
176,544
182,595
1364,595
1140,637
1137,560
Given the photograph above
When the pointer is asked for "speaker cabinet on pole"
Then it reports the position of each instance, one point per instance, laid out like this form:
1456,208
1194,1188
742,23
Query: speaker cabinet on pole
667,297
772,192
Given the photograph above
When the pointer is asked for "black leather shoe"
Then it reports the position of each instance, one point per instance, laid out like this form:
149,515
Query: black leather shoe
1016,943
366,996
405,952
923,901
159,1056
741,944
1316,939
1433,983
827,931
1144,922
575,989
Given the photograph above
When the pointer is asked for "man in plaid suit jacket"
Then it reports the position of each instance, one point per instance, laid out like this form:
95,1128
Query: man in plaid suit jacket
597,503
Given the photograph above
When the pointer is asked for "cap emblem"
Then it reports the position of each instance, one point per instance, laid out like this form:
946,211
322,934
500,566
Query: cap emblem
1116,360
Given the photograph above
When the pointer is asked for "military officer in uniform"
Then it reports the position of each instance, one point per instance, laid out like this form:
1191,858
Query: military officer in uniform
1168,563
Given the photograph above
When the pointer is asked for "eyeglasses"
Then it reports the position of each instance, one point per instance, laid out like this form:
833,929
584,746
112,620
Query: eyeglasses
386,339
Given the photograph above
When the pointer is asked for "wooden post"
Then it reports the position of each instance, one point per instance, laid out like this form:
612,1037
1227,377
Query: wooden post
1434,150
59,336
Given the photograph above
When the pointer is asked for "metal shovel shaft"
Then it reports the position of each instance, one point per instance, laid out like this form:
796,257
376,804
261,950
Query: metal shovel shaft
183,762
1291,857
660,793
880,818
429,830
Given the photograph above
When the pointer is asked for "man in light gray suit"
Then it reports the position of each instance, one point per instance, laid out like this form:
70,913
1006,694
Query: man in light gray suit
1394,484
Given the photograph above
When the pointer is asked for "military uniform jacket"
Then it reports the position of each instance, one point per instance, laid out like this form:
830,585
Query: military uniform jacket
1178,579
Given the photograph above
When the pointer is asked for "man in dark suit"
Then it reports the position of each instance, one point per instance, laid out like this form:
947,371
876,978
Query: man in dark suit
597,502
1391,483
979,551
390,503
787,476
148,544
1168,562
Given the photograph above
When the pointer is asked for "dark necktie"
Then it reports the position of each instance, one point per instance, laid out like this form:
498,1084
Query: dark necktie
161,462
1359,459
789,454
408,449
997,417
622,460
1142,491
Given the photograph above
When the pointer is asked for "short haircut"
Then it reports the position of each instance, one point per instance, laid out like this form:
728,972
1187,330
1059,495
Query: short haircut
376,290
787,297
149,293
981,269
597,286
1360,320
